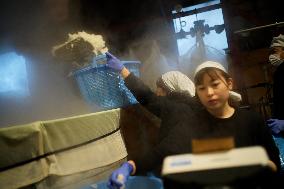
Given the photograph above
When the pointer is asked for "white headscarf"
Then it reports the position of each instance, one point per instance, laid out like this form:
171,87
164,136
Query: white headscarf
277,41
176,81
210,64
275,59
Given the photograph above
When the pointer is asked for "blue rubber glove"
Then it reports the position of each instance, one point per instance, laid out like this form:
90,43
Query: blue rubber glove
113,62
119,177
276,125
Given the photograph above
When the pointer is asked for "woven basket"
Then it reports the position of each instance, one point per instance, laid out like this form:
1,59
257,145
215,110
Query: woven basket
103,86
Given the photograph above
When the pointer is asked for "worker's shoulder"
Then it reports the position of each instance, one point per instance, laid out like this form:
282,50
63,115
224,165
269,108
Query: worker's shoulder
248,113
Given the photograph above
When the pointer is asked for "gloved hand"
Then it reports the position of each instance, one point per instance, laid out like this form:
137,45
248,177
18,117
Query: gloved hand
276,125
119,177
113,62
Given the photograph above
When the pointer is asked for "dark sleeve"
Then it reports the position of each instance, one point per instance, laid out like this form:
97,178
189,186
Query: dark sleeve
150,161
278,92
144,95
266,140
153,159
177,141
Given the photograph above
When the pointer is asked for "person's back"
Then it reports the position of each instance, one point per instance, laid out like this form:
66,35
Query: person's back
276,58
173,89
278,92
276,123
172,103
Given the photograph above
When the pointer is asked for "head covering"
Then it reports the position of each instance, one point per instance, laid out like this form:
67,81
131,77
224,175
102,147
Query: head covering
210,64
275,59
176,81
277,41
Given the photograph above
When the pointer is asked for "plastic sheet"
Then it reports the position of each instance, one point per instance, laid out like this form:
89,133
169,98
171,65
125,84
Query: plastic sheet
279,140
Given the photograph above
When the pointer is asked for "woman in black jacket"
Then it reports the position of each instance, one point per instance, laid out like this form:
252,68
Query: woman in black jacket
172,102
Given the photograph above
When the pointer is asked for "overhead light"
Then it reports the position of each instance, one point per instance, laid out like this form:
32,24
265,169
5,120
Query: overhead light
219,28
199,26
181,34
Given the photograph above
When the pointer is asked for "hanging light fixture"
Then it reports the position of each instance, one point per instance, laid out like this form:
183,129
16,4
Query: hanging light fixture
199,26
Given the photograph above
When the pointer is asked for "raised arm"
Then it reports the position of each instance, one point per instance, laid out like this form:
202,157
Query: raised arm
117,65
142,93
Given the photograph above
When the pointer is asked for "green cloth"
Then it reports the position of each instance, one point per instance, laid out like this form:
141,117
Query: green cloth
21,143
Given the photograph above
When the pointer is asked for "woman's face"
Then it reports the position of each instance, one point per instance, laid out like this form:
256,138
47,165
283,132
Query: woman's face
278,51
160,92
214,91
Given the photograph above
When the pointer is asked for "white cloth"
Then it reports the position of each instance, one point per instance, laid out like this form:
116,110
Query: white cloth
235,96
210,64
275,59
178,82
277,41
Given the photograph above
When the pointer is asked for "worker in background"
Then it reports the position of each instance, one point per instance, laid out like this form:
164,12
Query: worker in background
216,118
276,58
174,93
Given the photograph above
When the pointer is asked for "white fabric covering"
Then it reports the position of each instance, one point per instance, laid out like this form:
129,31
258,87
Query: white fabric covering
277,41
178,82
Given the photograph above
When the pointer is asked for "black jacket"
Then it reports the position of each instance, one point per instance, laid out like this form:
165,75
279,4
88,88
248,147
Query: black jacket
278,92
167,108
